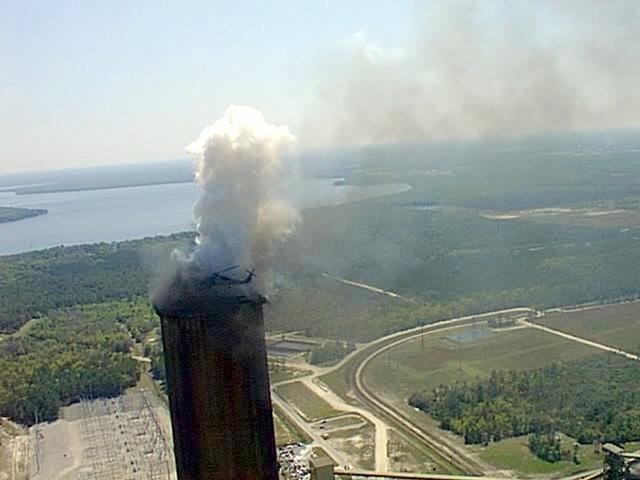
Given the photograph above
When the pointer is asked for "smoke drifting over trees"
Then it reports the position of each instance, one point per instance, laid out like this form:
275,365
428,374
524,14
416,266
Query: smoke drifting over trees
482,68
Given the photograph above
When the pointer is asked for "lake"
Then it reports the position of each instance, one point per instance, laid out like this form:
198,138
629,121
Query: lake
127,213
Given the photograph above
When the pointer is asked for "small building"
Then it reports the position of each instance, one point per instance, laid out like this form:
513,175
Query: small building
321,468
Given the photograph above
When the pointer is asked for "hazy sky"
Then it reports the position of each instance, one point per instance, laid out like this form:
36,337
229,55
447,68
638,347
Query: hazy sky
103,82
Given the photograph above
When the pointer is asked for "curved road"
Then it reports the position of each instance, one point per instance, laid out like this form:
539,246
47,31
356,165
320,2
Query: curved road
379,413
450,452
311,381
381,455
383,415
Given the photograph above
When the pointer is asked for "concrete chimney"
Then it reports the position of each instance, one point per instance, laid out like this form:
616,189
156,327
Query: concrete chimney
218,383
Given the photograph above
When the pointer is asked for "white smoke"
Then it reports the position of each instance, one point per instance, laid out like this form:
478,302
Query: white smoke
243,210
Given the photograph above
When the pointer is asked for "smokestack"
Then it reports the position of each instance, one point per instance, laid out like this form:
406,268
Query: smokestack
212,324
217,381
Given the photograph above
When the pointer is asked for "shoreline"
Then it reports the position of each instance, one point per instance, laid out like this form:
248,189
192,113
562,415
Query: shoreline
42,191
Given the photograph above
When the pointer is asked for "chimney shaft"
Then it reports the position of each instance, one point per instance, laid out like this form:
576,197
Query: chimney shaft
218,386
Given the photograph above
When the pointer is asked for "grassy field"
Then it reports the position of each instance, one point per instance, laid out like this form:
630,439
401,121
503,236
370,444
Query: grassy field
339,383
278,373
286,432
514,454
415,365
614,325
310,405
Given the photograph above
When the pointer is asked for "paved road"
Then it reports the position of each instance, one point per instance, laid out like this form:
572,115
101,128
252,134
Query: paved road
449,451
378,412
383,415
584,341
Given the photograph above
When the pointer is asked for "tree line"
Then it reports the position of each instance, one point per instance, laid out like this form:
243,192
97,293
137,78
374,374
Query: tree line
35,283
593,399
447,264
70,354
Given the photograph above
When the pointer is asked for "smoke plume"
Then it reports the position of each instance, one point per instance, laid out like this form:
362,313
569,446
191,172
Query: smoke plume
483,68
243,210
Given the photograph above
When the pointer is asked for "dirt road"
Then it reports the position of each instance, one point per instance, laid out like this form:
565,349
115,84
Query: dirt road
381,454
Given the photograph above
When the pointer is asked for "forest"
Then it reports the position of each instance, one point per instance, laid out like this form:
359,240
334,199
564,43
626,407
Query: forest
592,399
35,283
458,265
72,353
434,245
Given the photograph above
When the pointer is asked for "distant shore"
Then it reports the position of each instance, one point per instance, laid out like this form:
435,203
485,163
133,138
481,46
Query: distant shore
63,189
12,214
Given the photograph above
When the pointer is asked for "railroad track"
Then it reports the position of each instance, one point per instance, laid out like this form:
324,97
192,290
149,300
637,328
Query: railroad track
448,452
